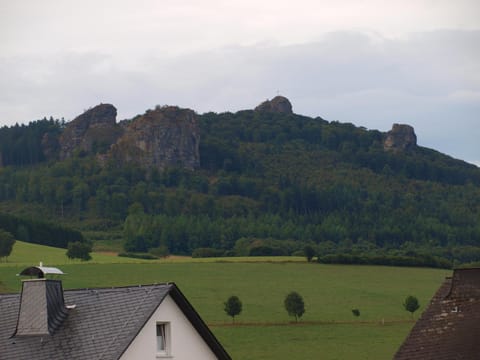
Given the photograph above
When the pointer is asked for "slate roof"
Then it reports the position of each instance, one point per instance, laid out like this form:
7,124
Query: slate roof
449,329
101,326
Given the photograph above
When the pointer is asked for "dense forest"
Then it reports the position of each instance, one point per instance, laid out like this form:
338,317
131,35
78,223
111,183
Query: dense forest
22,144
268,183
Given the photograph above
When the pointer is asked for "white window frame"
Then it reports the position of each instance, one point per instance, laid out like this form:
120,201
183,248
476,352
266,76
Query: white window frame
165,339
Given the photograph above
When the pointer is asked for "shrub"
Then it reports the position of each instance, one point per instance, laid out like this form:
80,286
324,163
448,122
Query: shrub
244,246
309,252
79,250
388,260
138,255
207,253
298,253
229,253
264,250
6,243
161,251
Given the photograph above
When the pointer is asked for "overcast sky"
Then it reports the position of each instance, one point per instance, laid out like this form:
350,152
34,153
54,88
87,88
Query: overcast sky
369,62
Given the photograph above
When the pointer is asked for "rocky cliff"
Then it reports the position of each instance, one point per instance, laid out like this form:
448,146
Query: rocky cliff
278,104
164,137
160,138
92,132
400,138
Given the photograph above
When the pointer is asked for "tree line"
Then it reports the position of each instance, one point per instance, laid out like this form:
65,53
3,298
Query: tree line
38,232
21,145
295,306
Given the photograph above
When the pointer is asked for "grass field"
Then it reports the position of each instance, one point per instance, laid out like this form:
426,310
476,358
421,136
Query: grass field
263,330
324,342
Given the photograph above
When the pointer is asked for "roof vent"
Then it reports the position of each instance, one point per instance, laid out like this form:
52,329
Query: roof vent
40,271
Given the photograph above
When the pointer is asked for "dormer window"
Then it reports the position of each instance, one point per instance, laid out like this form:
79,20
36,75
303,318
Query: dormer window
163,339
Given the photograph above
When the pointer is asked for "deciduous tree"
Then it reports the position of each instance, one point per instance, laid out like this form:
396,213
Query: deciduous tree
411,304
233,307
79,250
294,305
6,243
309,252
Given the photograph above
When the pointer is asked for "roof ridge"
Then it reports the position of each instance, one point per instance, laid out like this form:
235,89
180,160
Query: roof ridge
120,287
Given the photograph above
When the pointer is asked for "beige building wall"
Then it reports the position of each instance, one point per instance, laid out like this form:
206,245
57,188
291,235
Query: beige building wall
183,343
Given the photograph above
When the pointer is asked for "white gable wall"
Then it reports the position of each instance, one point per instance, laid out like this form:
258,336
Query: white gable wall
185,342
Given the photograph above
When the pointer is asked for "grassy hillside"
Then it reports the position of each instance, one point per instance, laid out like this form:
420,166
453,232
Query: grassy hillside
31,254
264,330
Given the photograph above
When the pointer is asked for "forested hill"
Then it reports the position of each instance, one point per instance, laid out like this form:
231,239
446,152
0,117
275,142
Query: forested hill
228,140
257,181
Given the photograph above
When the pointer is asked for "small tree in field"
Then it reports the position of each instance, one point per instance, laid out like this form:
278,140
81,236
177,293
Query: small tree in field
309,252
233,306
294,305
6,243
411,304
356,312
79,250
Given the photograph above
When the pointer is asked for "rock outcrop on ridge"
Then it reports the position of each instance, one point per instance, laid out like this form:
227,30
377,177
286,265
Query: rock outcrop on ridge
92,132
164,137
279,104
400,138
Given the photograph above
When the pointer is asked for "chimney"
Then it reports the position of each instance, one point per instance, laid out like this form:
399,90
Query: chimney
42,308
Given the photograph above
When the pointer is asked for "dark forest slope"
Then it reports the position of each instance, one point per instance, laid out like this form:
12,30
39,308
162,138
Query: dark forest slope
269,181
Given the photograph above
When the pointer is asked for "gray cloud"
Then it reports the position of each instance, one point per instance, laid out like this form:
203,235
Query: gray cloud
430,80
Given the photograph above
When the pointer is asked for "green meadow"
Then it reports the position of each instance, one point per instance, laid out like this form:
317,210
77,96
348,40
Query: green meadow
263,330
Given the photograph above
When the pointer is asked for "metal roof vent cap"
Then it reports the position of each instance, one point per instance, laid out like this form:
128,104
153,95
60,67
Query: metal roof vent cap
41,271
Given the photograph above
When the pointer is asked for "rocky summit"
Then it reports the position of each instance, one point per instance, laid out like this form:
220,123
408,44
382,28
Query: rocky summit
165,137
92,132
401,138
278,104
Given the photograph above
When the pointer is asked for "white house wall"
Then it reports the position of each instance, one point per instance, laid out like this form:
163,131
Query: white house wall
185,342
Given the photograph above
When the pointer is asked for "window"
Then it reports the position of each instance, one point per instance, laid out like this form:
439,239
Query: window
163,341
